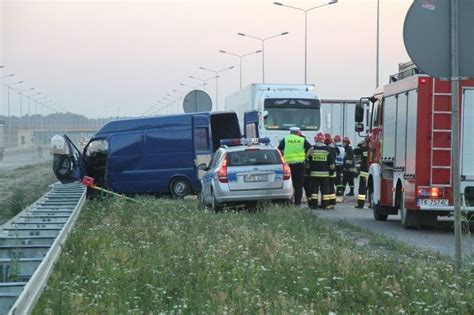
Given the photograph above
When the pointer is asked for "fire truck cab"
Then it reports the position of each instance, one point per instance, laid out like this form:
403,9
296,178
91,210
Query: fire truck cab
409,138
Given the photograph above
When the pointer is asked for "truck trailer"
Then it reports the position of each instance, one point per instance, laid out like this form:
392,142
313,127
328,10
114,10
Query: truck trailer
409,143
269,110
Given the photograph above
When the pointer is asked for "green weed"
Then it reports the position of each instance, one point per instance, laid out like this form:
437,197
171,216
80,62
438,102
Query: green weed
168,256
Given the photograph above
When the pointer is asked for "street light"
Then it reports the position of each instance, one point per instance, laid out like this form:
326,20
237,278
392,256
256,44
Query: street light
240,58
193,87
305,31
21,99
7,76
263,47
216,72
204,81
377,58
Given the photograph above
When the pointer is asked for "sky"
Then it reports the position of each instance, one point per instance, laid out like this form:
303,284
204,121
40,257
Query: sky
108,58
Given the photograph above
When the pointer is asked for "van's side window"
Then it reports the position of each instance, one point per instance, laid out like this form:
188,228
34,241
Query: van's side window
201,139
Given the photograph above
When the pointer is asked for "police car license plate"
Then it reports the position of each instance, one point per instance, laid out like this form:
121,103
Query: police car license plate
433,202
256,178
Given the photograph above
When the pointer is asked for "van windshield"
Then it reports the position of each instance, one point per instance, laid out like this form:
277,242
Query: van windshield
253,157
286,113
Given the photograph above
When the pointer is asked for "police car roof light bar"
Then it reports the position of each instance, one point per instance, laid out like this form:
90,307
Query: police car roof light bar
245,141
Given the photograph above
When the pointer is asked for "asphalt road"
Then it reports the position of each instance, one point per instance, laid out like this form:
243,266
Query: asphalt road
19,159
439,239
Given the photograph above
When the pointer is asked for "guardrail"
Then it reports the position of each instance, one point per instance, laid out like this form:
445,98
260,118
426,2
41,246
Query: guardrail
30,245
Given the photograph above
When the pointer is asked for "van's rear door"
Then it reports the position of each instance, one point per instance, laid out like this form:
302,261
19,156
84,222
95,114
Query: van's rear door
251,124
467,169
202,141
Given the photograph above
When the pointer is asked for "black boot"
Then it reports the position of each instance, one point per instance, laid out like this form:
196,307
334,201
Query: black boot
360,204
351,192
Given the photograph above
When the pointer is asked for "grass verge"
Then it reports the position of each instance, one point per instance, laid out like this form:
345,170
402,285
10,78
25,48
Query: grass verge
22,186
168,256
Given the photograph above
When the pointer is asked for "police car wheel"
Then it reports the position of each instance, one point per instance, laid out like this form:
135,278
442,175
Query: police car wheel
180,187
215,206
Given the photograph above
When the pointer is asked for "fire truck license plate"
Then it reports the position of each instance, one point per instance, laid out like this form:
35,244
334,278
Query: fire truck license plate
433,202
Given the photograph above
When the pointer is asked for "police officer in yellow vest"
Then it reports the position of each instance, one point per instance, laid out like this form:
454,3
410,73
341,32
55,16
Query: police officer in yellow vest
294,148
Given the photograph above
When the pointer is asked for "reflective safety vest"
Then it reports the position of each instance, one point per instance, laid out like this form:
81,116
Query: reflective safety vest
294,149
320,161
340,156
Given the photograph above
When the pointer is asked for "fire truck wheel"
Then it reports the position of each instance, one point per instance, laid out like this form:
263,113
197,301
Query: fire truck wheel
376,208
377,215
409,218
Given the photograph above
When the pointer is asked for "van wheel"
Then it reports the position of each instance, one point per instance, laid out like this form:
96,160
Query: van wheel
180,187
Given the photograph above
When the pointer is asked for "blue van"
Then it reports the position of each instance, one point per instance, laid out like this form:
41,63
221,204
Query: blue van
153,155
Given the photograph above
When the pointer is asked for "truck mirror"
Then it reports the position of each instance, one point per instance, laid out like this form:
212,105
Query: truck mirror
265,113
359,113
359,127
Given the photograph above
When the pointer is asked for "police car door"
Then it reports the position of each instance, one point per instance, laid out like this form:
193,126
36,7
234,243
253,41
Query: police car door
201,142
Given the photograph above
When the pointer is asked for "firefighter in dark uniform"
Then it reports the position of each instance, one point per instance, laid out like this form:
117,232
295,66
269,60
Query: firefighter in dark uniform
321,163
332,173
293,149
348,167
362,151
339,165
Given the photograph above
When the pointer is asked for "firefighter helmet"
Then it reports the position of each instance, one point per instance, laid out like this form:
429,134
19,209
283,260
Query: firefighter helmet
337,138
328,138
346,140
319,137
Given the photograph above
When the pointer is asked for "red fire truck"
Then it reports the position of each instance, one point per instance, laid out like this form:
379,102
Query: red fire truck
409,135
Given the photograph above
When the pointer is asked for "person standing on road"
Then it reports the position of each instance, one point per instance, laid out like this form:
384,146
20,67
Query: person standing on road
332,172
339,165
348,167
307,178
293,149
321,163
362,151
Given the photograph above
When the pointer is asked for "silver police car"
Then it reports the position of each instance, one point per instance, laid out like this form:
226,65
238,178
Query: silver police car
244,171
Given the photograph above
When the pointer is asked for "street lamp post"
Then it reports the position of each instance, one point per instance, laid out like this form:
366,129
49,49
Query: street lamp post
262,40
305,31
21,99
203,81
192,87
377,58
8,111
29,108
240,60
216,72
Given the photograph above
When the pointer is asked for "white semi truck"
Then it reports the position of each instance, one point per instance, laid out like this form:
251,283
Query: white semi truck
269,110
